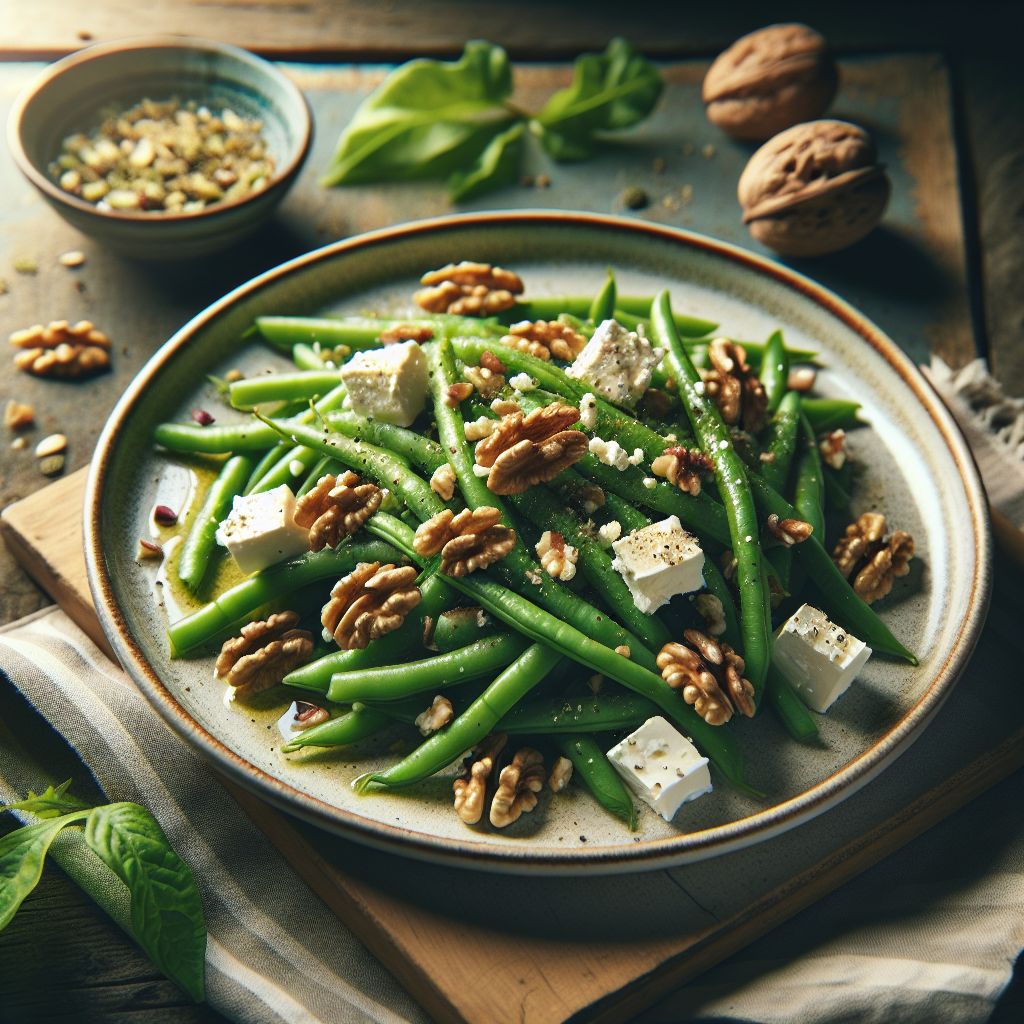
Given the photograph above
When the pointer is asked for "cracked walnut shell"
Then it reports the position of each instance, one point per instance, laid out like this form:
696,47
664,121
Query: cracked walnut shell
769,80
468,289
471,540
263,654
471,790
518,786
814,189
336,508
369,603
546,338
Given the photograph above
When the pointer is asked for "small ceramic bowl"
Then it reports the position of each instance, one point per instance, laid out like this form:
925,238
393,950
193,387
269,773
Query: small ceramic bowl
68,96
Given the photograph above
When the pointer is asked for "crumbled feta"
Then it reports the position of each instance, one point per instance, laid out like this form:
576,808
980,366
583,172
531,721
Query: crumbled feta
818,657
723,445
658,562
481,470
588,411
650,482
617,363
637,457
611,453
388,384
296,466
699,387
261,529
661,766
523,382
609,533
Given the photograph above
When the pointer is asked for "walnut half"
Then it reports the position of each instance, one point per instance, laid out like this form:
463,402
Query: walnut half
518,786
873,561
369,603
468,289
734,387
264,654
546,338
471,789
471,540
710,675
336,508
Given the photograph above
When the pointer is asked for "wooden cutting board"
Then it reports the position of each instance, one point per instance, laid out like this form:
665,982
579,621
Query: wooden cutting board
476,948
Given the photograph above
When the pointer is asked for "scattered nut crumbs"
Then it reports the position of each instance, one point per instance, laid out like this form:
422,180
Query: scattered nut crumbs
52,465
18,414
543,181
25,264
634,198
708,151
75,258
232,375
51,445
18,443
165,157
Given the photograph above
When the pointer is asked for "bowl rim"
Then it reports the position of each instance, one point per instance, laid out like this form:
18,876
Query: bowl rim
99,51
653,854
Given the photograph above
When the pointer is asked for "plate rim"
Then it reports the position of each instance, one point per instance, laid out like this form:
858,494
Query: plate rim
653,854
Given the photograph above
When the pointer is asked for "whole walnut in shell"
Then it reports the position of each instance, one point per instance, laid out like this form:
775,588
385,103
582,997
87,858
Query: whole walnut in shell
769,80
813,189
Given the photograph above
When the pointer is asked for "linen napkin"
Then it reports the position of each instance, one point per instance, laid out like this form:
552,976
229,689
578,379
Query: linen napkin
926,937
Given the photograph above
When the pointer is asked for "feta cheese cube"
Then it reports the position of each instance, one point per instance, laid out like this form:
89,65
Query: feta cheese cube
818,657
658,562
617,363
661,766
261,529
388,384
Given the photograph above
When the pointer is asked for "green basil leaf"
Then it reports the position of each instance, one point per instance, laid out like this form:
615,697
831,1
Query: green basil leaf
166,914
22,853
611,90
48,804
497,165
428,118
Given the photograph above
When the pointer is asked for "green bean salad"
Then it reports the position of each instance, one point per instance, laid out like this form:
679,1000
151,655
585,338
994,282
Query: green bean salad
586,529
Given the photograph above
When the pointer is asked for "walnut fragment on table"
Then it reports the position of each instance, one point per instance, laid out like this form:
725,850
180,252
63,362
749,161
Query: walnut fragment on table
60,350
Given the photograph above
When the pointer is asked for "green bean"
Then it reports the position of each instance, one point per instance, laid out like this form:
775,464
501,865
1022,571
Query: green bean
810,484
542,508
361,333
775,370
283,471
844,606
602,712
277,580
325,467
781,560
386,468
731,477
595,770
835,492
264,465
549,308
828,414
447,744
357,724
459,627
603,306
275,387
780,441
420,451
788,708
187,437
393,682
306,358
719,744
404,642
201,539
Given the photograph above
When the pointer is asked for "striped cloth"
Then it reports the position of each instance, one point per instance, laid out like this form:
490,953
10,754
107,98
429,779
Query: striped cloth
926,937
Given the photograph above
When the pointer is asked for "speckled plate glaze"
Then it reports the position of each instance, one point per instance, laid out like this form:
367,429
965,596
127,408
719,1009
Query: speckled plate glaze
918,470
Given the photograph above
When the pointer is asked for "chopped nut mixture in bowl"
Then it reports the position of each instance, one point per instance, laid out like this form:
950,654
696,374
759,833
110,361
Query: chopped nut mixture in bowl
164,148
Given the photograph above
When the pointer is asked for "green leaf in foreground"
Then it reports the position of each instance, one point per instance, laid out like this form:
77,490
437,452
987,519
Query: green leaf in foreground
611,90
48,804
497,165
22,853
166,914
428,118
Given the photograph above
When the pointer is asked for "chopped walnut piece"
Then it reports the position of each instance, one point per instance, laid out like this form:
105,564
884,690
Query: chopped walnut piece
64,361
518,786
872,561
557,558
683,467
734,387
522,451
468,289
486,381
863,539
471,790
788,531
60,332
336,508
456,393
546,338
624,650
833,449
713,611
471,540
18,414
504,407
369,602
437,715
442,483
406,332
710,675
489,361
560,775
480,428
263,654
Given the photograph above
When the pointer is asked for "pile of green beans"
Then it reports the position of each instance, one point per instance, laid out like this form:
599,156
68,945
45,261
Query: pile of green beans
524,628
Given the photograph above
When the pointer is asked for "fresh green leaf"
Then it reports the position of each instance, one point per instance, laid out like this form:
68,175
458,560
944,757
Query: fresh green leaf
22,853
428,118
48,804
609,91
497,165
166,914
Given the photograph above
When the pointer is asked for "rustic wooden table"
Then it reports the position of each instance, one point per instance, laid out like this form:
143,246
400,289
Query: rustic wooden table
62,959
